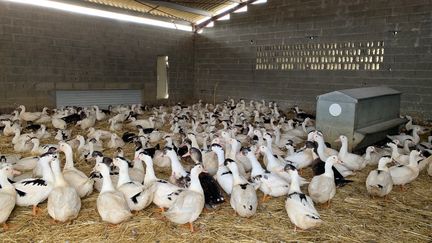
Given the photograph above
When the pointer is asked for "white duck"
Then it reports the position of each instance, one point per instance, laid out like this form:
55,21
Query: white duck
243,196
10,158
401,159
74,177
28,116
99,114
115,125
402,137
269,183
137,195
379,182
58,123
96,176
40,149
44,118
42,133
275,166
87,122
9,129
300,131
223,175
322,147
18,136
179,176
190,203
23,145
303,158
322,188
115,141
165,193
62,135
404,174
273,148
77,143
144,123
210,162
111,204
160,160
32,191
300,207
351,161
98,134
234,154
137,172
26,164
7,193
64,202
371,156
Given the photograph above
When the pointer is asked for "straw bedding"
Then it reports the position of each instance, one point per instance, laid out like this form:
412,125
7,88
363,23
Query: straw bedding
352,217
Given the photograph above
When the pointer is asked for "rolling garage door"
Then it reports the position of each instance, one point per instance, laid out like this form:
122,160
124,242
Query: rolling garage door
101,98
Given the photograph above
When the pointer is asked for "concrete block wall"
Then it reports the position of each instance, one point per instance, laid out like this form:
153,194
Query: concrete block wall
43,50
225,55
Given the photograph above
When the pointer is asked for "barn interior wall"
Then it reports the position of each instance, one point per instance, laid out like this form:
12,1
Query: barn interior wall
226,55
43,50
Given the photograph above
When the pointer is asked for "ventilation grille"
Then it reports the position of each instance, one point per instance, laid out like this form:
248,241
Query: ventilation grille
367,55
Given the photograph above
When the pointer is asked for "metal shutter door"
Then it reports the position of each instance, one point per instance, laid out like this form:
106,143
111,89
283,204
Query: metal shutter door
101,98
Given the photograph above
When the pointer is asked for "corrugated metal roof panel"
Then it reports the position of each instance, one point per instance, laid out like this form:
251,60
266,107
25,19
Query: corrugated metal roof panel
153,8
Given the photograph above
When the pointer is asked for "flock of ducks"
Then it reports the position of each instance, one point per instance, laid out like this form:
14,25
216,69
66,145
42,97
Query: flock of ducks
230,149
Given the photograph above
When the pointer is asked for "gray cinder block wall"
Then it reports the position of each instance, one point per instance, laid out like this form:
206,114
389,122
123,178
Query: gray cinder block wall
226,55
42,50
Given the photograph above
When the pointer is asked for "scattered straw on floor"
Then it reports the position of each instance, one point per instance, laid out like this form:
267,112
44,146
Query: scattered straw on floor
353,217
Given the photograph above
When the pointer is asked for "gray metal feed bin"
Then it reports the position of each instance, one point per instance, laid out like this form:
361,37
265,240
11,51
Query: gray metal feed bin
364,115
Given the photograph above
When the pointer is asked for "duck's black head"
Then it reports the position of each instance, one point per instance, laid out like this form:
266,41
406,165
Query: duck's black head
216,145
245,150
310,144
289,167
145,152
96,154
227,161
107,161
196,155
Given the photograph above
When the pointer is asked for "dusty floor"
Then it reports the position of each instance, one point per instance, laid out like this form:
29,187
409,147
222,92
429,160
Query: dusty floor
352,217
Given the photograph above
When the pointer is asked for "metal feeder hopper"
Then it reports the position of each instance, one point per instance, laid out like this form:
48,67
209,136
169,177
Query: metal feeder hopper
364,115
